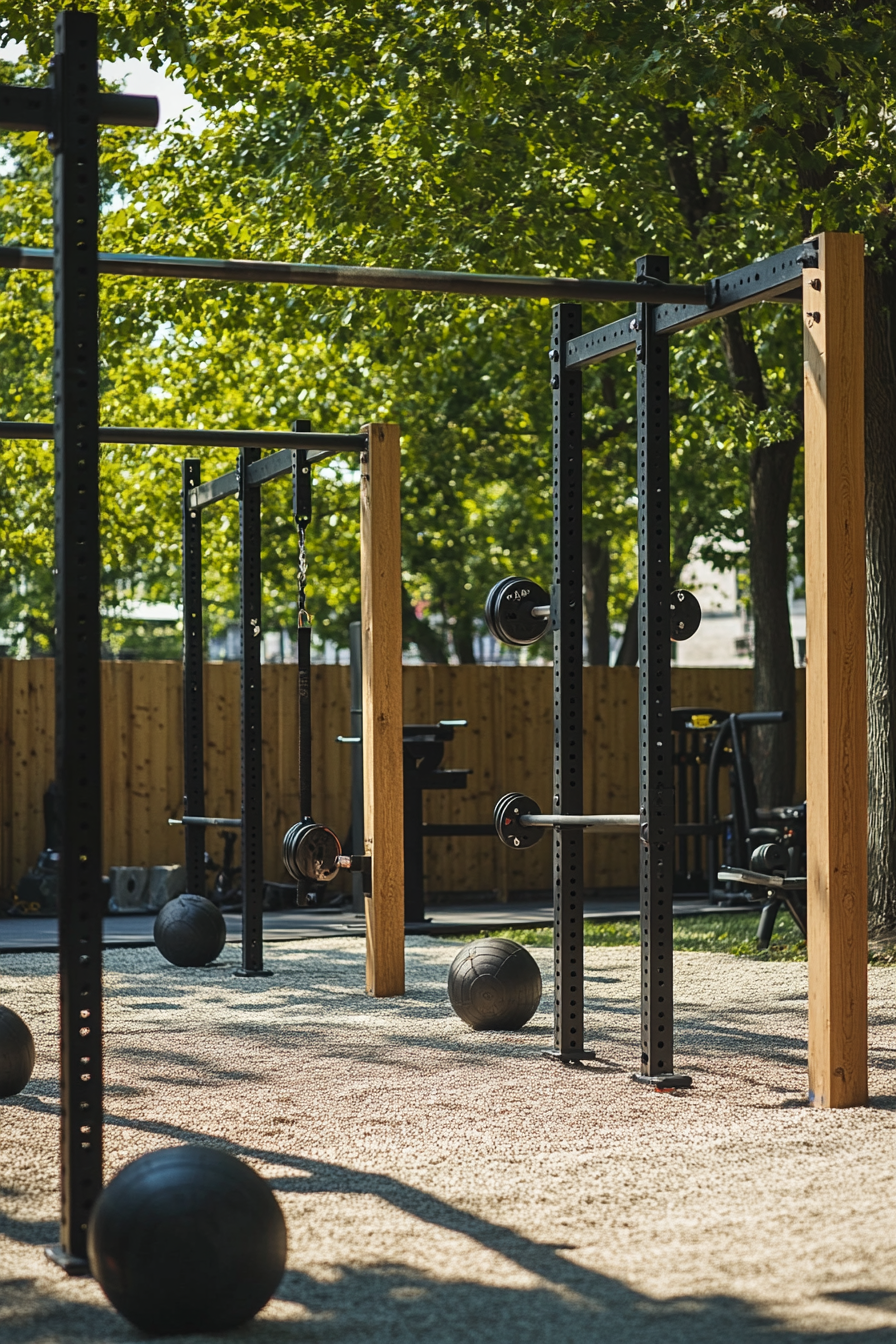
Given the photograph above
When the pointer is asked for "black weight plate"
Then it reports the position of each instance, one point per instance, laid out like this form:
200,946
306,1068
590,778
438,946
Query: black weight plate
511,832
310,851
770,858
686,615
508,611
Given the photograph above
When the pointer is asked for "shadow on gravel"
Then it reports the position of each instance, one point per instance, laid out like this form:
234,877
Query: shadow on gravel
380,1304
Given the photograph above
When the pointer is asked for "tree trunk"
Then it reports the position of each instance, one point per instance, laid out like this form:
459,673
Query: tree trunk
596,573
462,639
773,748
880,549
627,653
417,630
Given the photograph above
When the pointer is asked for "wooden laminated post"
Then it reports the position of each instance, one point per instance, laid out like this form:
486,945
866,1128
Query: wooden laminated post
382,707
836,716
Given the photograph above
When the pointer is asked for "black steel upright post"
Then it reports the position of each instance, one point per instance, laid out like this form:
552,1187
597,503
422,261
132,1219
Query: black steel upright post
301,508
414,877
250,717
356,728
194,737
655,693
76,392
569,886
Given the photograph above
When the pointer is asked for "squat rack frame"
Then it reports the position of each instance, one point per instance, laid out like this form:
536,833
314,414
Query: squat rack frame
71,110
379,449
825,275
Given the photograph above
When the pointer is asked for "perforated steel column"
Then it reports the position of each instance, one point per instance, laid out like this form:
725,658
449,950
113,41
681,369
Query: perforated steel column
76,391
654,681
194,737
250,718
567,622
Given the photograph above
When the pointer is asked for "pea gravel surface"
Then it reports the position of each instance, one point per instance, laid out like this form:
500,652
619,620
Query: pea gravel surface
445,1185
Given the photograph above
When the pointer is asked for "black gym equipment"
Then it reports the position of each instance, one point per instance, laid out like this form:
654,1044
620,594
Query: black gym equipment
187,1240
511,830
16,1053
310,852
686,615
520,823
423,746
71,110
663,614
190,931
518,611
494,984
38,889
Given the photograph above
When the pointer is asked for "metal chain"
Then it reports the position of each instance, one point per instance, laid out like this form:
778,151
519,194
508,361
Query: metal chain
302,617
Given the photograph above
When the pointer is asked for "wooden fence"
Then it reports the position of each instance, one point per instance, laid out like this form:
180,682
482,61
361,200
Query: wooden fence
507,745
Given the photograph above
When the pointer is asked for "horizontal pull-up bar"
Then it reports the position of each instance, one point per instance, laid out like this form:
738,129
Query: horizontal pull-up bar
274,465
200,438
560,289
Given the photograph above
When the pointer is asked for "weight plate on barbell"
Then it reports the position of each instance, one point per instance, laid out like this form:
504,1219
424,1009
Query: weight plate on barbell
508,611
770,858
511,831
310,851
686,615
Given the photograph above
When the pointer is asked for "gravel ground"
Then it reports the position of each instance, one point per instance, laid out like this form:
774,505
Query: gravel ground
444,1185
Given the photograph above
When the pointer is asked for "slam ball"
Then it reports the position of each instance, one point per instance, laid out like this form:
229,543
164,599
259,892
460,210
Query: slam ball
190,931
494,985
16,1053
187,1240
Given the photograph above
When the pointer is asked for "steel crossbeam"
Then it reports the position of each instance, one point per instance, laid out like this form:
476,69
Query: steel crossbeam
773,279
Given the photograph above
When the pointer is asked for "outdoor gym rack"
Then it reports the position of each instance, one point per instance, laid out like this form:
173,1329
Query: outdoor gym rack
71,111
826,275
378,446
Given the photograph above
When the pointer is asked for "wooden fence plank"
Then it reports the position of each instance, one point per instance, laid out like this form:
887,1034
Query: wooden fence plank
507,745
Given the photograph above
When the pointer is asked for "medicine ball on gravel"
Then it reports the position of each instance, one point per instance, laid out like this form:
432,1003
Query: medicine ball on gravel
190,931
494,985
16,1053
187,1240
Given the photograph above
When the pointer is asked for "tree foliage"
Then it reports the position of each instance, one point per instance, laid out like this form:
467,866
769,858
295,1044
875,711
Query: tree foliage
505,137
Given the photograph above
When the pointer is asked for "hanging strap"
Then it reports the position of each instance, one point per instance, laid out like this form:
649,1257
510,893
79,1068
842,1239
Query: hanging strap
302,513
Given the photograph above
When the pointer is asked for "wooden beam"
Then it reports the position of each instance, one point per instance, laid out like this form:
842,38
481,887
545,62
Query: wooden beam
836,718
382,707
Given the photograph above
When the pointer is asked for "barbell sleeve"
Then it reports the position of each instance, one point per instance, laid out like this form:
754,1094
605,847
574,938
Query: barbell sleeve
625,821
204,821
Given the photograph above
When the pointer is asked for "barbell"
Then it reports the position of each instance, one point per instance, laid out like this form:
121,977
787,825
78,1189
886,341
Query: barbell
518,612
520,824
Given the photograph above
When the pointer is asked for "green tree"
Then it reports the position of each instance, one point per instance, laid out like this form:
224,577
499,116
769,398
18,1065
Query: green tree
522,137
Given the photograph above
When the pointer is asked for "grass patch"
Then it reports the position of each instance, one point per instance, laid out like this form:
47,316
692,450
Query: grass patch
735,934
